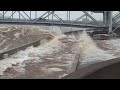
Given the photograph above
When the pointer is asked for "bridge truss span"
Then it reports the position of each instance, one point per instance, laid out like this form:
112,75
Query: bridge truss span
82,19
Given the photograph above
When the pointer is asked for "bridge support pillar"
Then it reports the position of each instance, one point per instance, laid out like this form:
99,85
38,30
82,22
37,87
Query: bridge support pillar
110,23
107,20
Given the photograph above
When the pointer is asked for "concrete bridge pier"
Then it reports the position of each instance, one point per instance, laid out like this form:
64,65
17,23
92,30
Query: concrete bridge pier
107,21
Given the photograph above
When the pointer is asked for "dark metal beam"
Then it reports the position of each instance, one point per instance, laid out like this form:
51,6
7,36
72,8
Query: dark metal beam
11,15
19,15
3,14
30,15
49,14
110,23
41,16
60,19
105,18
52,19
27,15
22,15
116,15
114,18
79,18
86,20
35,14
69,15
91,17
116,28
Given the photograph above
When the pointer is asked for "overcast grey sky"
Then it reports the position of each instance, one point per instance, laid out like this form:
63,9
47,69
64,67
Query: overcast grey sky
62,14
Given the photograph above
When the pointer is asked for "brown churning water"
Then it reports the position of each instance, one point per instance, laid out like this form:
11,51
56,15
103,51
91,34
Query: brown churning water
89,52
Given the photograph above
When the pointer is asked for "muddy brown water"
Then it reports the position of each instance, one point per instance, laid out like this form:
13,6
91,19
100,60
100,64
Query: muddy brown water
15,36
42,69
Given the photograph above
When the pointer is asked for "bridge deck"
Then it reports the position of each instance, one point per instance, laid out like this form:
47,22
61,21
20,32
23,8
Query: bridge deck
50,22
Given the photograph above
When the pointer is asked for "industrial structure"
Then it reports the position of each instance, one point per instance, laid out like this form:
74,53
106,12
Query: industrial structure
110,22
109,26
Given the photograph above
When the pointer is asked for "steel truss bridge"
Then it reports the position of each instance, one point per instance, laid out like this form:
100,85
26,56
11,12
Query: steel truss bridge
110,22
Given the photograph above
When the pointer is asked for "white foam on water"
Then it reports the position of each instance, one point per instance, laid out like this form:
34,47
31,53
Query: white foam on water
63,75
56,30
17,35
3,42
55,69
114,44
89,52
32,53
7,47
2,36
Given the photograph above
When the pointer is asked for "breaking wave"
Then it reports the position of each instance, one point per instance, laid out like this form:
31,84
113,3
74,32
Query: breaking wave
33,52
89,52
